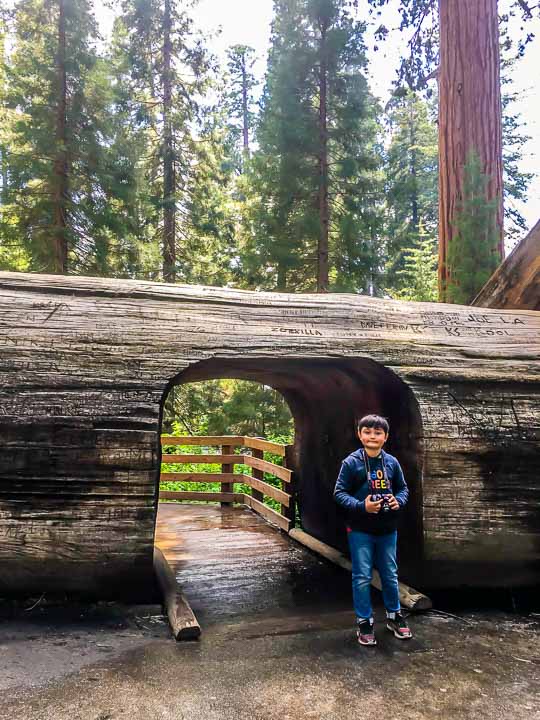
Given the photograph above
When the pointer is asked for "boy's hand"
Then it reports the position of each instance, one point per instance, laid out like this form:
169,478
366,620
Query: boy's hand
392,502
372,506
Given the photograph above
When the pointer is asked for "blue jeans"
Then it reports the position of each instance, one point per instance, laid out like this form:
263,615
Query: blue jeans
366,551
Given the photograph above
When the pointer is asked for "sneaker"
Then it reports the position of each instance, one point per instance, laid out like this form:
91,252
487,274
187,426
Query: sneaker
365,633
399,627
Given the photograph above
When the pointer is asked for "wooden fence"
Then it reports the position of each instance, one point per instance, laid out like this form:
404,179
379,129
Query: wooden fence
228,458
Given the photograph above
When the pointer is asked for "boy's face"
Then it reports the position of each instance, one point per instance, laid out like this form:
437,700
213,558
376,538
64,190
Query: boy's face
372,438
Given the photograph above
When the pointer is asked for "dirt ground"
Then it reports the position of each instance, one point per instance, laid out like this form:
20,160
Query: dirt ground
109,662
278,643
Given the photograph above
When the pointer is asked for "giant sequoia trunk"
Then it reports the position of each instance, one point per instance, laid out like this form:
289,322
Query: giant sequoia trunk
469,120
86,363
60,175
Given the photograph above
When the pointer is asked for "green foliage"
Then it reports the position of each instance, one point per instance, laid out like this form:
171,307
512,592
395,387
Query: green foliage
167,105
250,222
470,252
418,277
228,407
282,212
32,102
411,174
240,100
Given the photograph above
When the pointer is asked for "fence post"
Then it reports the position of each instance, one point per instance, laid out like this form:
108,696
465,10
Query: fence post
258,474
290,488
227,468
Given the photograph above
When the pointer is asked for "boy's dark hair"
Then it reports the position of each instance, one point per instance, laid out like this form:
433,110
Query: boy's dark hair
373,421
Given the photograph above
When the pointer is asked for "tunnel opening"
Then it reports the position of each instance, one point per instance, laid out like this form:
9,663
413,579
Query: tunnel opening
325,397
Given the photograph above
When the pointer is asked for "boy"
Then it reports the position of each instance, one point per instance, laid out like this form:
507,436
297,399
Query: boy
371,490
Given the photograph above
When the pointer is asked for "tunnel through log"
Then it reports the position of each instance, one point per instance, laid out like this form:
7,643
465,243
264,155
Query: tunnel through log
326,396
84,364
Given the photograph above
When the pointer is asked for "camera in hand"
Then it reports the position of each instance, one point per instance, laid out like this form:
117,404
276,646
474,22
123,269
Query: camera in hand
385,506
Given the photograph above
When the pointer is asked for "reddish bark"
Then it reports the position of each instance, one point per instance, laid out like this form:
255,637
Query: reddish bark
469,114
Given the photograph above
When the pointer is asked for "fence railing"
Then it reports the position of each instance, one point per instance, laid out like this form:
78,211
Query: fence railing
228,458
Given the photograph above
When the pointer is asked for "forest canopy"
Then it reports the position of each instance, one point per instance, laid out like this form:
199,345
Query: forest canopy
143,156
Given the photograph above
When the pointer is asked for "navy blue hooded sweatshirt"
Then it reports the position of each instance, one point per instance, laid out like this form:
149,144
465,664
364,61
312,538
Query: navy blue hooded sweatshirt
352,488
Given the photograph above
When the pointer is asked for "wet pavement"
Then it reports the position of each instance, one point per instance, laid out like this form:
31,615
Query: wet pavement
277,643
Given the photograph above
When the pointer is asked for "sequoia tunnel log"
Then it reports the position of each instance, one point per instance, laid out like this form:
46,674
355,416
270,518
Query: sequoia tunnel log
85,365
516,282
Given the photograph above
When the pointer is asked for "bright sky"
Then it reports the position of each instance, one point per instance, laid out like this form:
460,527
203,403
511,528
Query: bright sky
248,22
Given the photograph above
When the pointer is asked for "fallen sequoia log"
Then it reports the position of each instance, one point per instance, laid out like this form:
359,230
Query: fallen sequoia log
86,363
516,282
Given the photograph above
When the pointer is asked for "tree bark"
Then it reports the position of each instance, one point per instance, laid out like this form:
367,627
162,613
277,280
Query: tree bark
515,283
322,248
59,259
80,457
169,170
414,171
469,115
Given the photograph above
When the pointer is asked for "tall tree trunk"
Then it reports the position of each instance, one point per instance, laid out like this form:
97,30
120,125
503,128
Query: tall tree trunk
322,249
245,114
169,170
413,167
281,277
59,259
469,115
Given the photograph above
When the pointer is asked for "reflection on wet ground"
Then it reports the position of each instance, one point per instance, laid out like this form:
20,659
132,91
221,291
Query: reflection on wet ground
233,565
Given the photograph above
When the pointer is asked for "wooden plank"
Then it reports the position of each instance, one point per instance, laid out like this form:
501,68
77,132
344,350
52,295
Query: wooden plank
409,597
265,466
267,513
263,488
184,624
260,444
203,477
227,469
204,440
216,458
256,473
200,495
290,511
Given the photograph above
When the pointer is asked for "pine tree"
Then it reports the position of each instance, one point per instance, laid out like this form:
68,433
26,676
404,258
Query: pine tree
65,198
241,86
51,130
411,179
417,279
474,233
169,68
209,222
313,212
